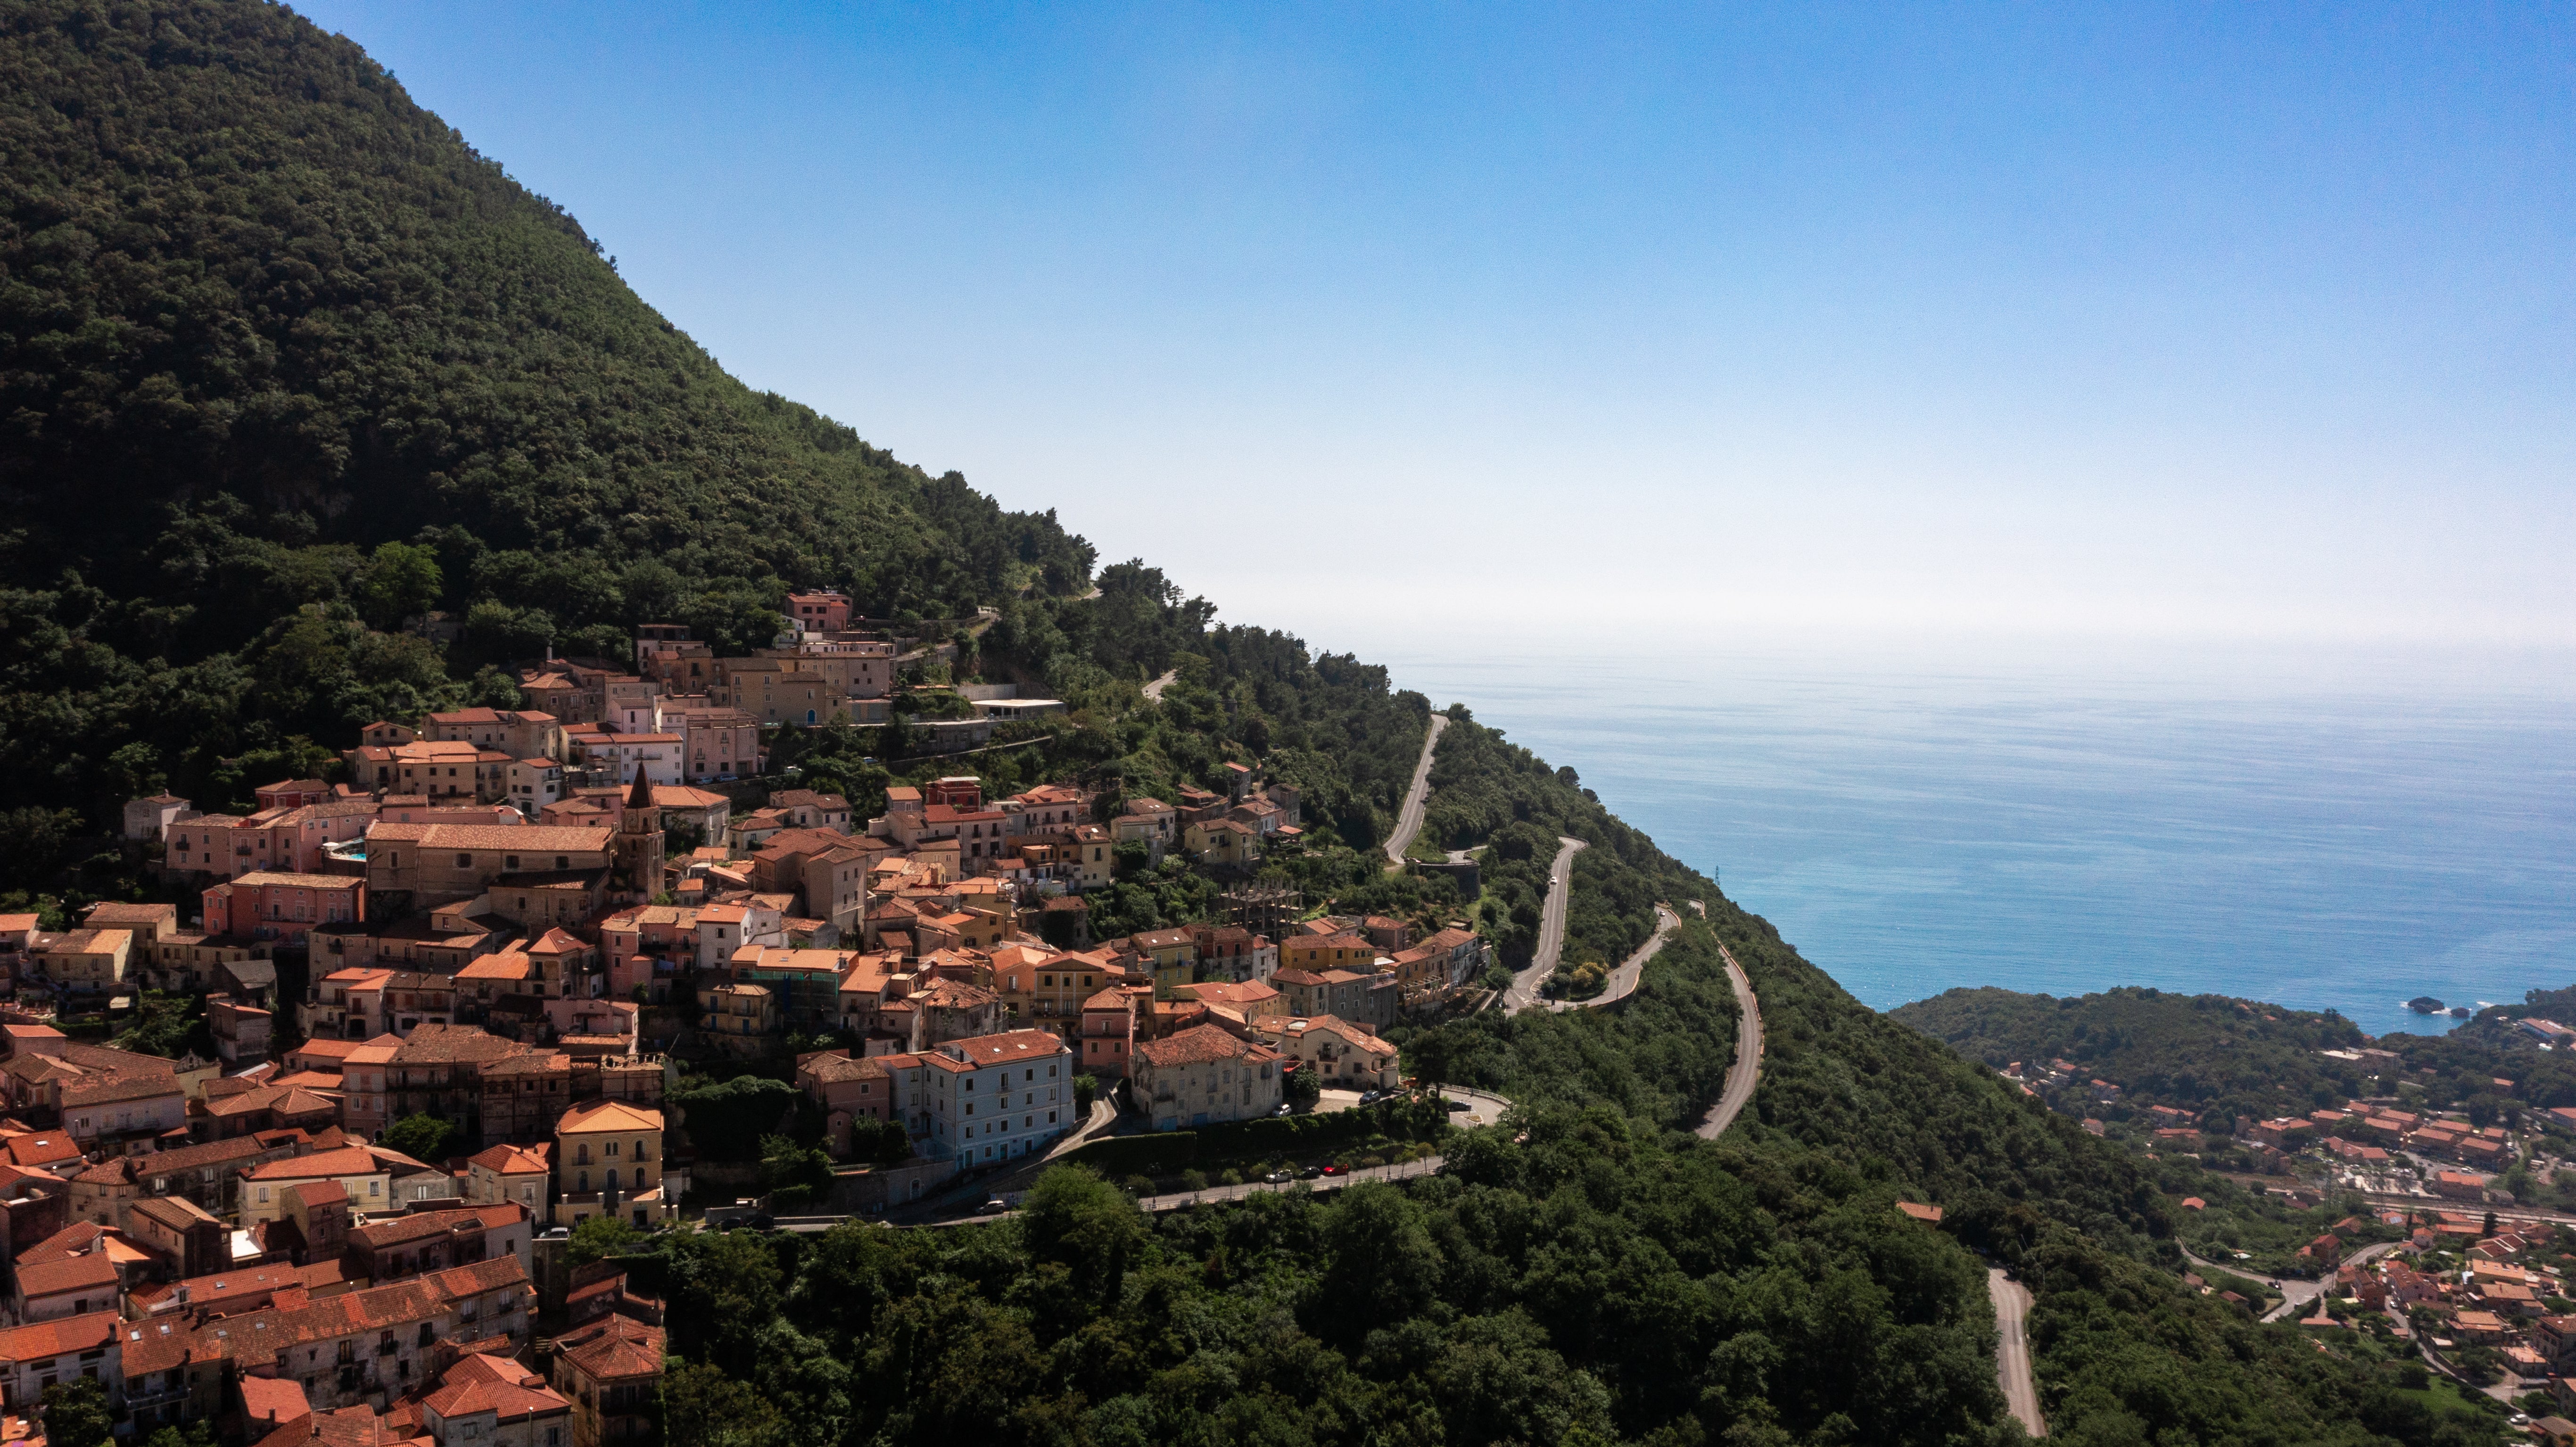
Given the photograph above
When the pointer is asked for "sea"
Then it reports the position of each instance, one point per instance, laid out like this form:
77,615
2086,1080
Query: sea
2323,830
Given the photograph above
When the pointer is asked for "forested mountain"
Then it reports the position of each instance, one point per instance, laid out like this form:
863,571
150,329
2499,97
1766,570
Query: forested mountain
2234,1058
261,315
283,362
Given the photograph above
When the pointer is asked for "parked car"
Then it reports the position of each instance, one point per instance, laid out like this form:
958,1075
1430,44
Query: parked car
1454,1106
995,1206
1337,1170
1279,1178
1310,1173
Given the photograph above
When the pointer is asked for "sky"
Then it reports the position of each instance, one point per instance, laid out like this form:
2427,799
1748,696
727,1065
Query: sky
2093,328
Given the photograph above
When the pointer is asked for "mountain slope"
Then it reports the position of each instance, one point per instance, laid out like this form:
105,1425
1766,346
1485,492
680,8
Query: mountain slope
259,313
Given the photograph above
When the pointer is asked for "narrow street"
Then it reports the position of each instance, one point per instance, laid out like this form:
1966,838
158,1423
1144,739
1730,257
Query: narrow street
2012,1350
1551,932
1408,820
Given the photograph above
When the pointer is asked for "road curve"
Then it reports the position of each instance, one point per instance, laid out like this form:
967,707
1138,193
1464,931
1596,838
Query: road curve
1746,1072
1623,980
1408,820
1154,690
1551,931
2294,1292
2012,1350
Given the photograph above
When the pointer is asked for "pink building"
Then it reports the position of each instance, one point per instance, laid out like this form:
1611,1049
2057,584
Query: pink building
266,905
1108,1039
819,612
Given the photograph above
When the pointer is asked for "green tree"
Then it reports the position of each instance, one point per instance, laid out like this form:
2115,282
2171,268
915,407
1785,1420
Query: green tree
76,1414
422,1137
595,1237
794,1175
1085,1089
399,581
1080,1222
134,771
703,1407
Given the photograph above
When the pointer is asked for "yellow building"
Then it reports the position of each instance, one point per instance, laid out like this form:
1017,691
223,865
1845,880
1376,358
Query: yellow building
608,1161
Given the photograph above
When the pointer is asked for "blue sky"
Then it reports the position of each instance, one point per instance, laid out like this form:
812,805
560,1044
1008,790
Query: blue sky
2113,327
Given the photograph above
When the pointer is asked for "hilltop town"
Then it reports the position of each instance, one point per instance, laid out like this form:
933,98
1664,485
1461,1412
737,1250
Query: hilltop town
504,938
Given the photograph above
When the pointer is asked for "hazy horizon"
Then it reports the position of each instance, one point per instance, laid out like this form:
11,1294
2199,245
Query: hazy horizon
2227,328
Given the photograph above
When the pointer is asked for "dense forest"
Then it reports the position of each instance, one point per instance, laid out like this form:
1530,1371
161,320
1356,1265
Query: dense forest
284,363
2242,1059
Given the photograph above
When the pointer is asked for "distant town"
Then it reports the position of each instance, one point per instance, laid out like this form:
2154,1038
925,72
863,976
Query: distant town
450,995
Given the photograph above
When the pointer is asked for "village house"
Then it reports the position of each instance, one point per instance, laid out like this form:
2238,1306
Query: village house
354,1169
1205,1076
609,1161
265,905
996,1097
611,1370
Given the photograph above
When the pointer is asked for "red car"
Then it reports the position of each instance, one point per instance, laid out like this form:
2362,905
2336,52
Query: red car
1337,1170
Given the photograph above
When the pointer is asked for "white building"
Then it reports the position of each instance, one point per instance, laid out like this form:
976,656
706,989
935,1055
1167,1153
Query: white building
993,1097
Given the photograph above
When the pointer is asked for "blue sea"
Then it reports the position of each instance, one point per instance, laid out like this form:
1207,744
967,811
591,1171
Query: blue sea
2325,833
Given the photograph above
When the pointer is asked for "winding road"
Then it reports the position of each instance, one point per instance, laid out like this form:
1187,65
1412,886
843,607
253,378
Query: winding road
2012,1350
1551,931
1154,690
1408,820
2294,1293
1746,1072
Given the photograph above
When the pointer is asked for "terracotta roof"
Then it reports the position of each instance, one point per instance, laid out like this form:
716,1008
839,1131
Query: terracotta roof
176,1212
118,1087
267,1401
526,838
302,881
346,1161
1195,1046
72,1273
437,1223
617,1348
832,1069
56,1338
41,1150
508,1160
190,1158
608,1115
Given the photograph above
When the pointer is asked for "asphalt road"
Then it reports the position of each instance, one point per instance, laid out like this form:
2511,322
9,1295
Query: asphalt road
1623,980
1551,932
1408,820
2012,1350
1746,1072
1154,690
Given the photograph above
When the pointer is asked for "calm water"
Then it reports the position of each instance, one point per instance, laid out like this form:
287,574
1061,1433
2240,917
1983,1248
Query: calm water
2318,844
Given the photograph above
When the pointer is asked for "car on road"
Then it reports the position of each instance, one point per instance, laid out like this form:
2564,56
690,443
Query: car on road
1454,1106
1551,881
1279,1178
1371,1097
1337,1170
1310,1173
995,1206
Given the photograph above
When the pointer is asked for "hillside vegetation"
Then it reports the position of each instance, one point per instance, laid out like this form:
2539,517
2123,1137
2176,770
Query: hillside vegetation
261,316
